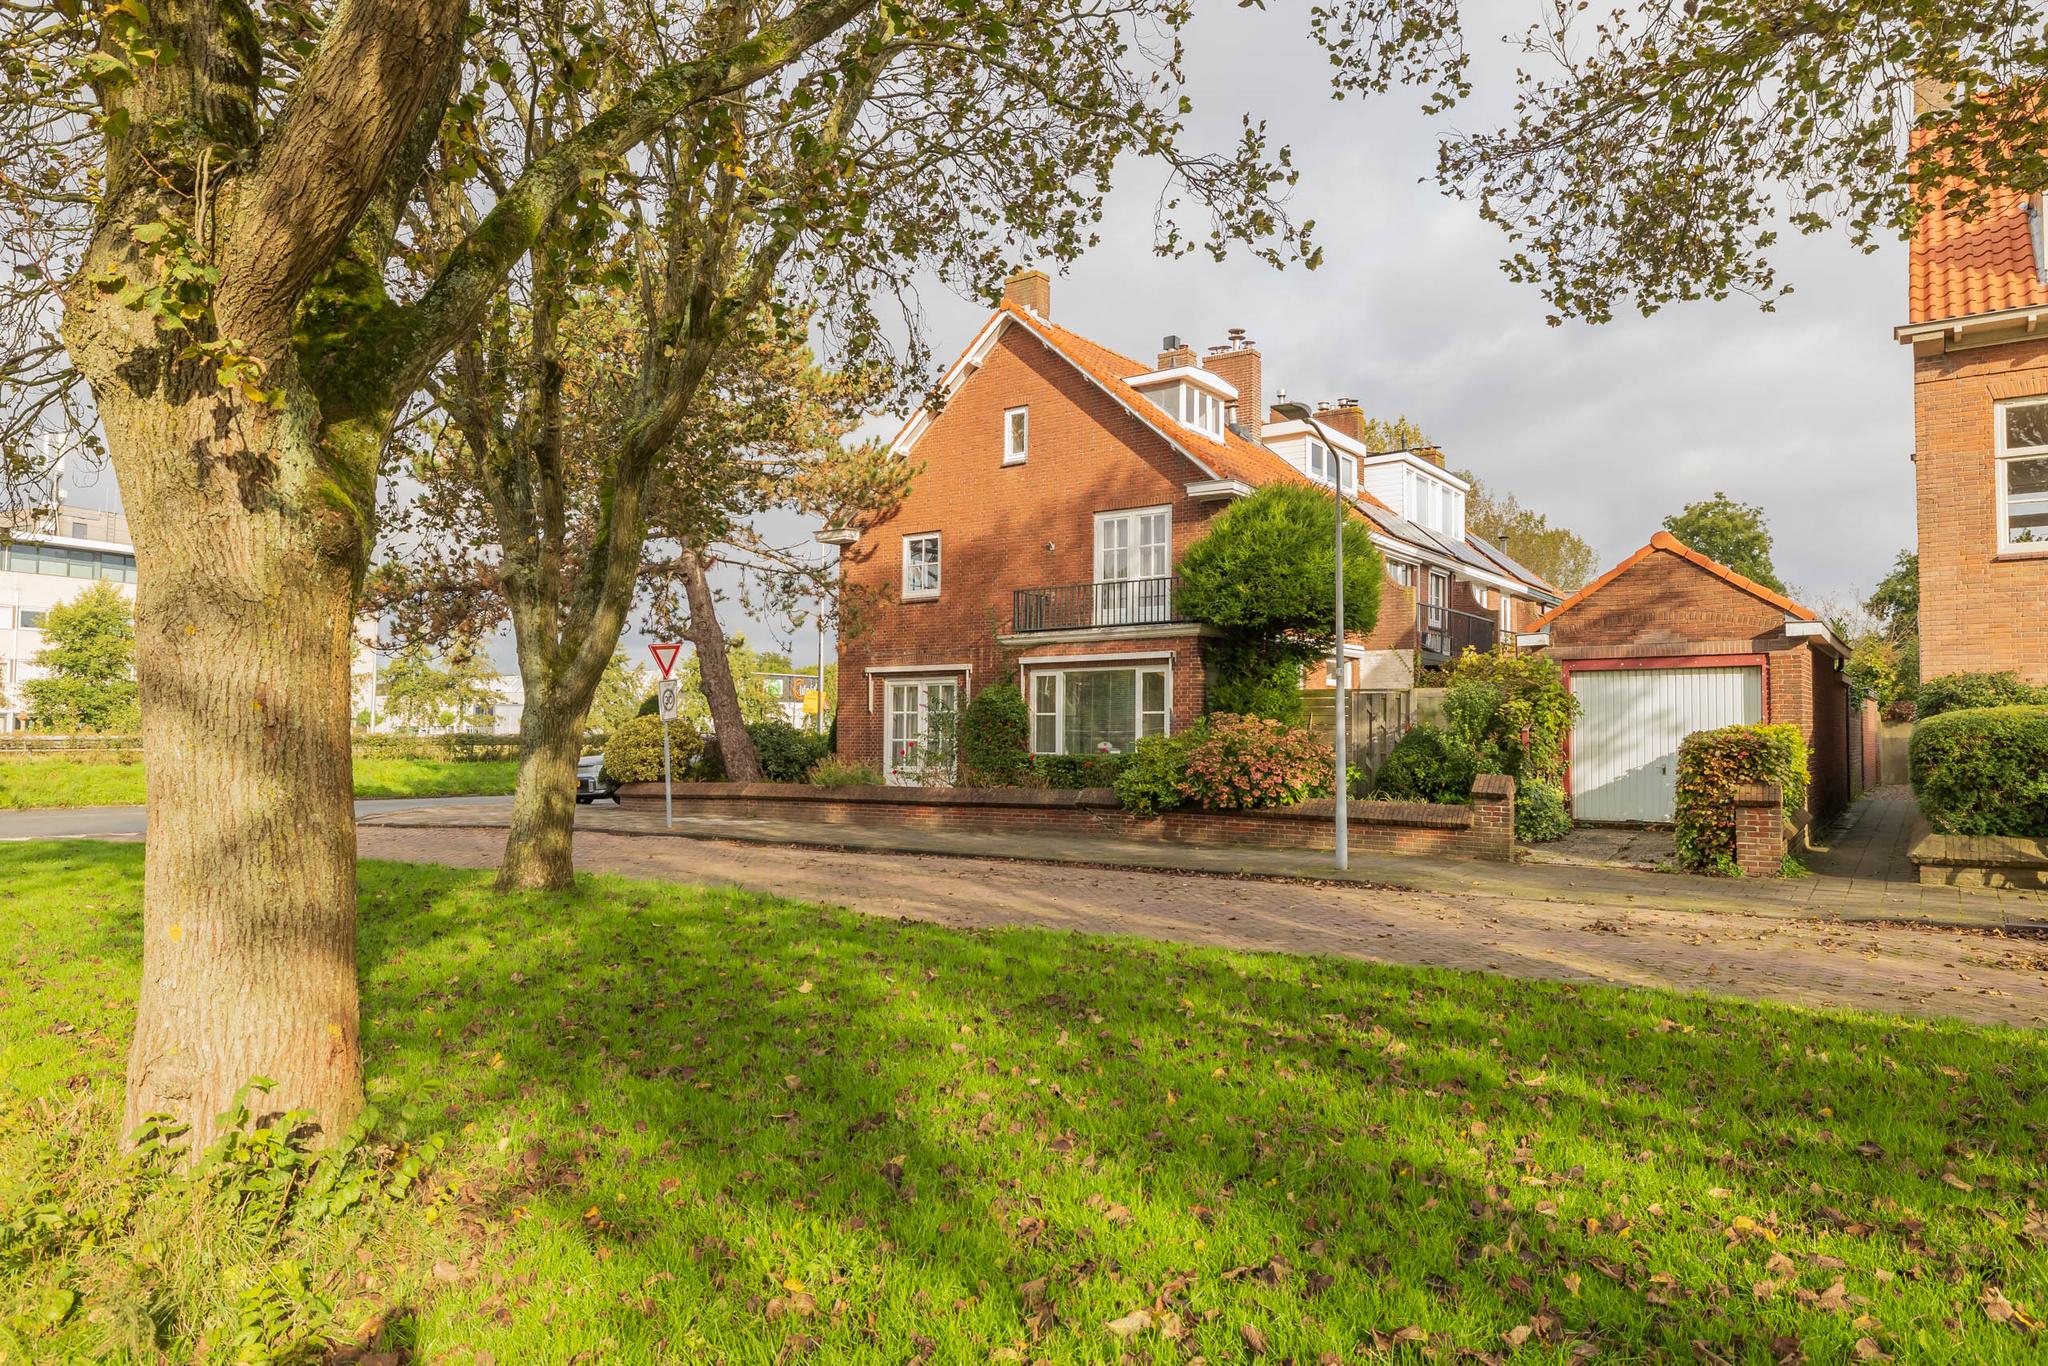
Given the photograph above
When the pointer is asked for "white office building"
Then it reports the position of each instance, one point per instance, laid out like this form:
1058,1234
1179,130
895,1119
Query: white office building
41,565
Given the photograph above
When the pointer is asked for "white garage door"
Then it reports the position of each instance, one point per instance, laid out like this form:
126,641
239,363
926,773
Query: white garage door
1625,745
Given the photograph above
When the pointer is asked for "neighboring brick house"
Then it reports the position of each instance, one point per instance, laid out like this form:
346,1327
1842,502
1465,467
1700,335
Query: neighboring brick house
1977,302
1669,642
1059,485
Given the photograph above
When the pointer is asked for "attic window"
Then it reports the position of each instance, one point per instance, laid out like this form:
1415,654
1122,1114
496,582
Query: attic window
1197,408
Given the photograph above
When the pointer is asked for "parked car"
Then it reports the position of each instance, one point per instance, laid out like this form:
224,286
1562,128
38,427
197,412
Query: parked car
591,782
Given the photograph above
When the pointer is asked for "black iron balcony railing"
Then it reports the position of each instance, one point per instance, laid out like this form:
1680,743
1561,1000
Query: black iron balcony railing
1082,606
1446,633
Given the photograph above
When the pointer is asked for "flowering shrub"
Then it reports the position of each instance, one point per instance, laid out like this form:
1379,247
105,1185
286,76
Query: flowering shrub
1711,763
1236,763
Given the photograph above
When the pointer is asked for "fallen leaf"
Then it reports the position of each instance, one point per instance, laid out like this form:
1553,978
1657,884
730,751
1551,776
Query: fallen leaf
1866,1349
1254,1340
1130,1325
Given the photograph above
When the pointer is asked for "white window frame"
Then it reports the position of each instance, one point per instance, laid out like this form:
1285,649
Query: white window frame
1119,607
2001,477
923,685
937,565
1401,572
1137,668
1316,461
1016,452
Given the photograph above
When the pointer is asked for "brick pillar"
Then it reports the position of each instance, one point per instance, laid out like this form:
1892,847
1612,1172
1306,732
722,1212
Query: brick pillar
1759,829
1493,815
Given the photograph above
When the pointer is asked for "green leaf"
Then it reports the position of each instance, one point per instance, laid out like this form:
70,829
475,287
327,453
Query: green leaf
151,232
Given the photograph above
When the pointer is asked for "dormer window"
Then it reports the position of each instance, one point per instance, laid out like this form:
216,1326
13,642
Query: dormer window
1436,505
1319,462
1190,396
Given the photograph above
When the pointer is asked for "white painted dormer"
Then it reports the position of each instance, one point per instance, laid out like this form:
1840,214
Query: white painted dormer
1319,452
1420,491
1190,396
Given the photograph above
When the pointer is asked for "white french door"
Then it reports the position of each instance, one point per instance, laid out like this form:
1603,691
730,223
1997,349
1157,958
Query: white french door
1133,566
916,754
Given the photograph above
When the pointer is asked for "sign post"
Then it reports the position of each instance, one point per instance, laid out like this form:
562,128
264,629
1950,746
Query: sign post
671,697
671,692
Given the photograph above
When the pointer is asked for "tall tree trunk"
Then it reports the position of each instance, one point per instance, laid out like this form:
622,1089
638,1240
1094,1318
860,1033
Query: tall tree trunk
735,746
540,845
243,647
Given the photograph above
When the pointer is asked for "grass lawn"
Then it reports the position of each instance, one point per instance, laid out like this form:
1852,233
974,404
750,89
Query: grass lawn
661,1124
82,782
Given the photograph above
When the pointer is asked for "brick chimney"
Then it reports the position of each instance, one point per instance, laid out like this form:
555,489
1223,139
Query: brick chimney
1433,454
1237,363
1030,289
1174,353
1344,416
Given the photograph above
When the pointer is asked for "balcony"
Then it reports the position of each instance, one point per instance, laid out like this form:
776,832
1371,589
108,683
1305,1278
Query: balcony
1094,606
1445,633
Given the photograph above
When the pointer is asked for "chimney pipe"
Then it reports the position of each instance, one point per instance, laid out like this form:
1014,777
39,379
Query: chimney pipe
1237,363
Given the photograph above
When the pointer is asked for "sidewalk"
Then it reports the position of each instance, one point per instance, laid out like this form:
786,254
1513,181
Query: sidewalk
1862,874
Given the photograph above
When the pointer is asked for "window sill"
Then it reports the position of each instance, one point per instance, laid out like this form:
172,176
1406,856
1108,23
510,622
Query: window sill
2015,556
1010,460
920,597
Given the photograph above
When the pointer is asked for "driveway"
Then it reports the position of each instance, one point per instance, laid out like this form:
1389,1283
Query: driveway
1985,977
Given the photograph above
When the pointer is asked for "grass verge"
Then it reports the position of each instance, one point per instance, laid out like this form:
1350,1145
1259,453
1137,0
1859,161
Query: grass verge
656,1124
28,783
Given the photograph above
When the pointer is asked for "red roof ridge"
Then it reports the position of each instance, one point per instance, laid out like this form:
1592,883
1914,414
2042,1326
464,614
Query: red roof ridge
1669,544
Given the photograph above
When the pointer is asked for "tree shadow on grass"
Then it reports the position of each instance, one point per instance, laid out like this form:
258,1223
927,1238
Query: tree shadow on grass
709,1125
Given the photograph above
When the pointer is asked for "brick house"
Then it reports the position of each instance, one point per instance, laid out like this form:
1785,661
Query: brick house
1977,301
1669,642
1061,482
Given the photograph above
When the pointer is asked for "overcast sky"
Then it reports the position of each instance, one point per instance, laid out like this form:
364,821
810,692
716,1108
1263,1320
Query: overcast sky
1607,429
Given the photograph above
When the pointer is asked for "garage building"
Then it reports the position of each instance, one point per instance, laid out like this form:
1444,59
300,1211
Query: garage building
1669,642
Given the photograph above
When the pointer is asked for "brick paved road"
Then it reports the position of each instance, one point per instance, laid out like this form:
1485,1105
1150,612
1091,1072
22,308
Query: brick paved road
1983,977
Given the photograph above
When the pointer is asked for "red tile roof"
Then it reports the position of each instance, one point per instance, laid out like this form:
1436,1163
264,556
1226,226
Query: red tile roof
1234,457
1664,542
1981,266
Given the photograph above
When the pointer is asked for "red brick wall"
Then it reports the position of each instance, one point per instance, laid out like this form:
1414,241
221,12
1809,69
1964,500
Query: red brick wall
1759,830
1004,528
1483,830
1668,600
1978,610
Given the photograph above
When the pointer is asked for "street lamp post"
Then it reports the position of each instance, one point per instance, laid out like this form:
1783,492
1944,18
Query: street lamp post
1299,412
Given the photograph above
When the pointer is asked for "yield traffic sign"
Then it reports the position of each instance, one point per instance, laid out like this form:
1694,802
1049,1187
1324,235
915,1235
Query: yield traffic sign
665,657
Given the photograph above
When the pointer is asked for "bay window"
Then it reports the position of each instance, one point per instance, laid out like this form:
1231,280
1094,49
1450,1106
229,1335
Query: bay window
1097,710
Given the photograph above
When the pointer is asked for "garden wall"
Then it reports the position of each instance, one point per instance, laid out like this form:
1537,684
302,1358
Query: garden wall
1483,830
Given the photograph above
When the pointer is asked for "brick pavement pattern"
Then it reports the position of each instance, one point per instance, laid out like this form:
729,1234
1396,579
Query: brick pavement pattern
1983,977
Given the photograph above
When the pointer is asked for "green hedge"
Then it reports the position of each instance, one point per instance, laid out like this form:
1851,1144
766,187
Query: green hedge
633,753
1078,770
1427,764
995,738
1711,764
1983,771
1970,692
1541,813
786,753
